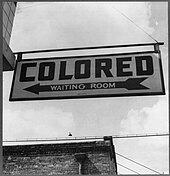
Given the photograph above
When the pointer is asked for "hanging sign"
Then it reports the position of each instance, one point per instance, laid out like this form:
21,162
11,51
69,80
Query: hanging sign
109,75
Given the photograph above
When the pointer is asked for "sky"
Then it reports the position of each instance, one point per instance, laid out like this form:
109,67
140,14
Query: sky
61,25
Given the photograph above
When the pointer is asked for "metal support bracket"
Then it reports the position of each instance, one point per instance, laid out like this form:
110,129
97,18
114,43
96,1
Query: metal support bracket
19,56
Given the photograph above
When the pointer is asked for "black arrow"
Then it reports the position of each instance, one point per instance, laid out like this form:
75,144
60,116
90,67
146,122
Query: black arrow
132,84
38,88
129,84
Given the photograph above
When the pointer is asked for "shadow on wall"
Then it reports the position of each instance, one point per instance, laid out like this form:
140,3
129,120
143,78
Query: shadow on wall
89,167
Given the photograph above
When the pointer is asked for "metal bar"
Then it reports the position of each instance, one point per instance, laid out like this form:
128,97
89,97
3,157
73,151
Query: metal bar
88,48
134,136
87,138
156,48
19,56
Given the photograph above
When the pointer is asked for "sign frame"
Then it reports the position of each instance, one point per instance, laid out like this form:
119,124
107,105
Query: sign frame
90,96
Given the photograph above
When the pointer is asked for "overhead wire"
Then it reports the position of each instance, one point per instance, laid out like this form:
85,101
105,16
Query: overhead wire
111,7
134,23
139,163
128,168
19,10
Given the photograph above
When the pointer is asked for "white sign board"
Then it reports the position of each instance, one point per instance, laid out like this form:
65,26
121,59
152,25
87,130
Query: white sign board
110,75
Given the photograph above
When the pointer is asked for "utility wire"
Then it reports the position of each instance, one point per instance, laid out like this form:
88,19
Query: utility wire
34,5
139,164
111,7
128,168
134,23
19,9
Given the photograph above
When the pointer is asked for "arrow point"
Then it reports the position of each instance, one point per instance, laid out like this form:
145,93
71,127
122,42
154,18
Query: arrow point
135,83
33,89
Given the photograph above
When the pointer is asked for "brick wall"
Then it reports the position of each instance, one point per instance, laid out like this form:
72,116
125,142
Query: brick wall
51,159
8,17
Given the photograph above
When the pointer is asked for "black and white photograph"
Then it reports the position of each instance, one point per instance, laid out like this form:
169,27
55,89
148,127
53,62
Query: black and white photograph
85,88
